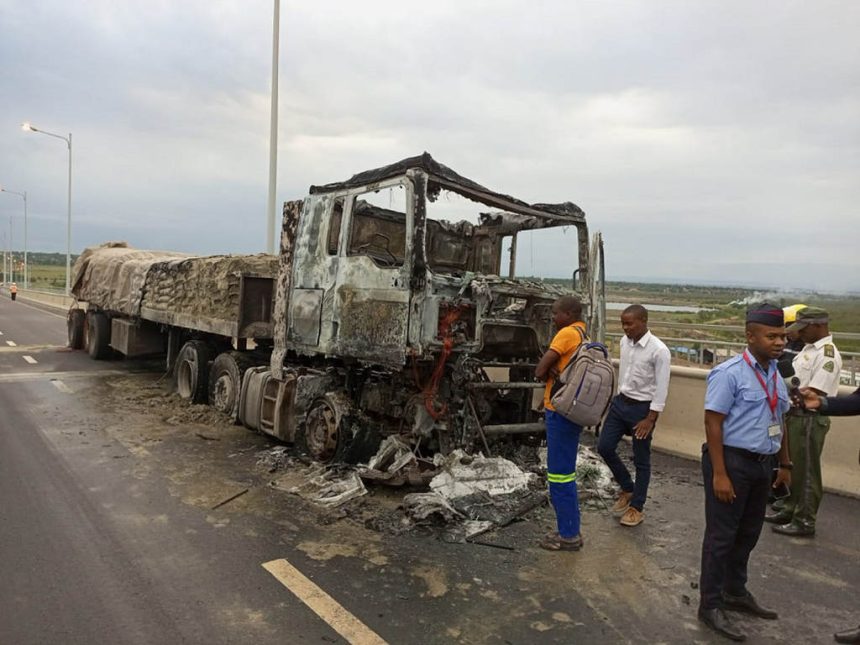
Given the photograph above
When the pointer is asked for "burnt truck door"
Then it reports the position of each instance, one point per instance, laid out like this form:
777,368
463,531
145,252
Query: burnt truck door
315,261
597,289
371,296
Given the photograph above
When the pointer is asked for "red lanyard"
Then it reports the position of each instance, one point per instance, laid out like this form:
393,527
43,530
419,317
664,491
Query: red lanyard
771,400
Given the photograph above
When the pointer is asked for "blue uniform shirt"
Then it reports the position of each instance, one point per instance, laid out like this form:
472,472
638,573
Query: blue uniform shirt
734,390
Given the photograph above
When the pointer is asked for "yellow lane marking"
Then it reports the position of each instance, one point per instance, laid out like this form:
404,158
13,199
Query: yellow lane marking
30,360
344,623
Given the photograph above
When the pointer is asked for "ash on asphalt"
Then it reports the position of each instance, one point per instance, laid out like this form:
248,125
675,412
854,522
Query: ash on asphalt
626,585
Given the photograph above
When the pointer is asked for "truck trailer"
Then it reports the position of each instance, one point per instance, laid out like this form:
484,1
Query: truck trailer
393,307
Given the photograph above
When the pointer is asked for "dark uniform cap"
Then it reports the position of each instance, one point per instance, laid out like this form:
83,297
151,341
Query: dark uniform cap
766,314
809,316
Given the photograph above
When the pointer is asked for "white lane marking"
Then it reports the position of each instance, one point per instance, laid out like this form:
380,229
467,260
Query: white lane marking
1,333
11,343
15,349
38,376
44,304
30,360
344,623
62,387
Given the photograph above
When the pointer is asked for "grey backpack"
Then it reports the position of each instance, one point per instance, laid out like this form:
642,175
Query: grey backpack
583,391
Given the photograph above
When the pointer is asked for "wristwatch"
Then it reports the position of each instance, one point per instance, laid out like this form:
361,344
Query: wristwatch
788,466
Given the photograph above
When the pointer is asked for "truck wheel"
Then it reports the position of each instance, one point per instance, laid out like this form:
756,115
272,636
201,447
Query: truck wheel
75,323
97,332
225,381
321,436
192,371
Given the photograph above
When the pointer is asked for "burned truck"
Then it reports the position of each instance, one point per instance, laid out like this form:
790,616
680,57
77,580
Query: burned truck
396,307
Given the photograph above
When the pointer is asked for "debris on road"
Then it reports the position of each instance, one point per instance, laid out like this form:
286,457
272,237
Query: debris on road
325,487
395,464
230,499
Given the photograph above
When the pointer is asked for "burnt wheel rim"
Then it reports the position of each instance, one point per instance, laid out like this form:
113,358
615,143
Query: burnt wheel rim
223,393
321,432
185,377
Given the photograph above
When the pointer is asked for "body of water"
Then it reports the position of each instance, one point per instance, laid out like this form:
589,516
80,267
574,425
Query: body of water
621,306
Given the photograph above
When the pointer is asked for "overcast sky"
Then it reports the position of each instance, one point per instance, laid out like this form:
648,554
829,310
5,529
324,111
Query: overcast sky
708,141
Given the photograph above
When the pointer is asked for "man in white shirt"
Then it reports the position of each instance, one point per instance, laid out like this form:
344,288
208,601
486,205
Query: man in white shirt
817,366
643,384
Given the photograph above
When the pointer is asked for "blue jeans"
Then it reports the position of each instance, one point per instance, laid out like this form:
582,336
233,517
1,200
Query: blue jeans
562,443
622,418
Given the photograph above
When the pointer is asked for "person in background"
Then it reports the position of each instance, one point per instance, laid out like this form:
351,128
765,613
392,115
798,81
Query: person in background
793,344
643,385
817,366
835,406
745,402
13,291
562,435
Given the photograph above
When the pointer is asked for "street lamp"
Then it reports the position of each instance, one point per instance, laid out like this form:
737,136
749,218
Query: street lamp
26,269
29,128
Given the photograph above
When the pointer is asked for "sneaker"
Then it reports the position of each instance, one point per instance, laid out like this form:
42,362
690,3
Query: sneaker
632,517
622,503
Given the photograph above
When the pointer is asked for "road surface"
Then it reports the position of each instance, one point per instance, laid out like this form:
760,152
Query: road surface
129,517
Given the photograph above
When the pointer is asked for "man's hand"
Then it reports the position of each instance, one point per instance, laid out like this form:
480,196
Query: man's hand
644,428
810,398
783,476
723,489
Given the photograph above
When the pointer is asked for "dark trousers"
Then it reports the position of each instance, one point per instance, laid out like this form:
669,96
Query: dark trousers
622,418
732,529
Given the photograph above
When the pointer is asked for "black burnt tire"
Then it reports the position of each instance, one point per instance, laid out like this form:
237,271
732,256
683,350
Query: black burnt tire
192,371
75,322
225,381
97,333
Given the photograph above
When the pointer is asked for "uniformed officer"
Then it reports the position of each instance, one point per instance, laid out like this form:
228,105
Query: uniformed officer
817,366
744,407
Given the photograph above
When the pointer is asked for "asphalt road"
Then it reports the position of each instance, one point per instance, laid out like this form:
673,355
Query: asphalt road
120,523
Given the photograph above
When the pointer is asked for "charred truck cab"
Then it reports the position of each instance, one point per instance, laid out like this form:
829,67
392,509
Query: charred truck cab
391,315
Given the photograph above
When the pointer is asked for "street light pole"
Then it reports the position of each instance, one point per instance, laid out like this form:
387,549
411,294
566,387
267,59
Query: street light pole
26,264
273,133
29,128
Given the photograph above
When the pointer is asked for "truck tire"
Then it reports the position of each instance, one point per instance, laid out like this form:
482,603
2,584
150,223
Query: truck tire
192,371
75,322
97,332
225,382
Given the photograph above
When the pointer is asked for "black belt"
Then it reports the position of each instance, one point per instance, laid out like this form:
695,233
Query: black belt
631,400
749,454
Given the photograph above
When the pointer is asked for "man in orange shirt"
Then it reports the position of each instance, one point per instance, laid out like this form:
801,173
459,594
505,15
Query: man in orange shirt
562,436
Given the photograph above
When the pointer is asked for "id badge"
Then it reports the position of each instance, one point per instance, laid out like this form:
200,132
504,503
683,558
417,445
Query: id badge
774,430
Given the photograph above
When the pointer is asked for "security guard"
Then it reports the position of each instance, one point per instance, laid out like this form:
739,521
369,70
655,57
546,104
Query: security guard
817,366
744,407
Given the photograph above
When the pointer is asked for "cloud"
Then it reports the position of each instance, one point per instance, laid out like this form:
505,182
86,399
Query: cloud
711,140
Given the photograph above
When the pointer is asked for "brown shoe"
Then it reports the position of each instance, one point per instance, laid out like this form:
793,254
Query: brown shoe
622,503
632,517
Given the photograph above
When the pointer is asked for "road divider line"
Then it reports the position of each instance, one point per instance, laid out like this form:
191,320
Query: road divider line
15,349
11,343
62,387
334,614
30,360
39,376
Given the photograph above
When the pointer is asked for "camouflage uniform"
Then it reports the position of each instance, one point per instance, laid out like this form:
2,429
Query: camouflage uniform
818,366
